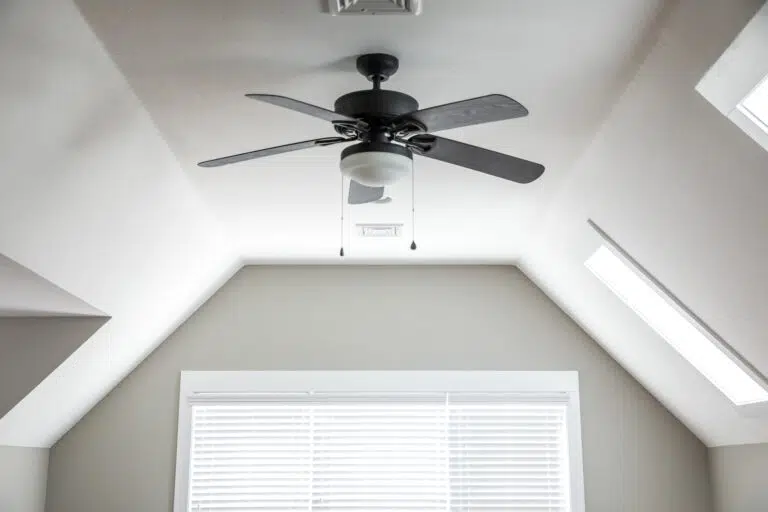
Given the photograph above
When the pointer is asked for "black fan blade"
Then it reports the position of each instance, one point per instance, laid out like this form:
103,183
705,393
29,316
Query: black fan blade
306,108
360,194
485,109
473,157
240,157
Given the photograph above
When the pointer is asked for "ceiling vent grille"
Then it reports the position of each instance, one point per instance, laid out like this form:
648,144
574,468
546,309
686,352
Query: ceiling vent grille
380,230
368,7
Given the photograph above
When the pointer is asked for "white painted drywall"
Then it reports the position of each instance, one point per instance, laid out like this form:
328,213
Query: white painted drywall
24,293
121,456
682,190
23,473
740,477
92,200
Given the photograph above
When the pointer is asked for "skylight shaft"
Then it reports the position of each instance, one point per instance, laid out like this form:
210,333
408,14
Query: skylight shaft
679,331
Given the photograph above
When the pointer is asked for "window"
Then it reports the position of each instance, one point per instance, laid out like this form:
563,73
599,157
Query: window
366,449
755,105
737,84
680,329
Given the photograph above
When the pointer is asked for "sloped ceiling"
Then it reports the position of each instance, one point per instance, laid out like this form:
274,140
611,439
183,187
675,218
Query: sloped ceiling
24,293
99,193
679,187
191,61
92,199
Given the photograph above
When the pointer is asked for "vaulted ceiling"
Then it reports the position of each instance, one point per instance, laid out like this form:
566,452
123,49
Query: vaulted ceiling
103,211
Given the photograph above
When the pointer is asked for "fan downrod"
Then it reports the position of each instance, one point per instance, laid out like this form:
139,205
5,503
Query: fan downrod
377,67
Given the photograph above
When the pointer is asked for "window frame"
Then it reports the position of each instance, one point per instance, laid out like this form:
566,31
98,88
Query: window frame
736,73
198,384
761,123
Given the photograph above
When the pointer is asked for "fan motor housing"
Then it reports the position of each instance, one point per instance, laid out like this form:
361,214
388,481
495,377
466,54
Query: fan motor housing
375,104
383,147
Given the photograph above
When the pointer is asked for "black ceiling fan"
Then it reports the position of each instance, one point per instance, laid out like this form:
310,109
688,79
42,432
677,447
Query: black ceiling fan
389,127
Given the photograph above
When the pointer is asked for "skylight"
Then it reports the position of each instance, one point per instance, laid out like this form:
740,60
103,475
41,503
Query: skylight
691,340
755,105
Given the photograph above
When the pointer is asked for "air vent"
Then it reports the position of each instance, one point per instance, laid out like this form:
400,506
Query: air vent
379,230
363,7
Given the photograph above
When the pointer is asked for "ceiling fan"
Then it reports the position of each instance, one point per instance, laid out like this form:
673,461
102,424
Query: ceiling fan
389,127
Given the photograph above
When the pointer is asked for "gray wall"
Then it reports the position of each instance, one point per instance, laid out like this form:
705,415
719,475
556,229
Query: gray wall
22,478
121,456
740,477
32,347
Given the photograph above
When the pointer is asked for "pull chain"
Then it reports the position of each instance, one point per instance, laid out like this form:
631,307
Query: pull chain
413,207
341,232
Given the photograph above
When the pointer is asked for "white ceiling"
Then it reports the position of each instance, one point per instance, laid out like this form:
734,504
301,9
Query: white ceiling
124,220
191,61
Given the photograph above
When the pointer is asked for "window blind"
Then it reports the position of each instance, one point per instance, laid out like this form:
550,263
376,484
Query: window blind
349,453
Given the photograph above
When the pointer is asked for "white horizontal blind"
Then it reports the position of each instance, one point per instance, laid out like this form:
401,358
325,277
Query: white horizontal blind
507,454
398,452
382,454
250,457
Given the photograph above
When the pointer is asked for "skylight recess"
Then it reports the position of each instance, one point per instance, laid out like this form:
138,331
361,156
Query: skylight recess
679,329
755,105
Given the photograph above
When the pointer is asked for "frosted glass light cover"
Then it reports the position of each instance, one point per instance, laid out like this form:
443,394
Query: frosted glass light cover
376,168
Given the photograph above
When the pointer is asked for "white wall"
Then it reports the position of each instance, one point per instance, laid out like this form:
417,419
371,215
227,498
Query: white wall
23,474
121,456
740,477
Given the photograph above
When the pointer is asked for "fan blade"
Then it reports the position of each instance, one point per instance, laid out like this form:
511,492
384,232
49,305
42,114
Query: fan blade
485,109
240,157
306,108
360,194
473,157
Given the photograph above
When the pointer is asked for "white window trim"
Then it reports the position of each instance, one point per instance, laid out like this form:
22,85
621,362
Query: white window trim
196,384
737,72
